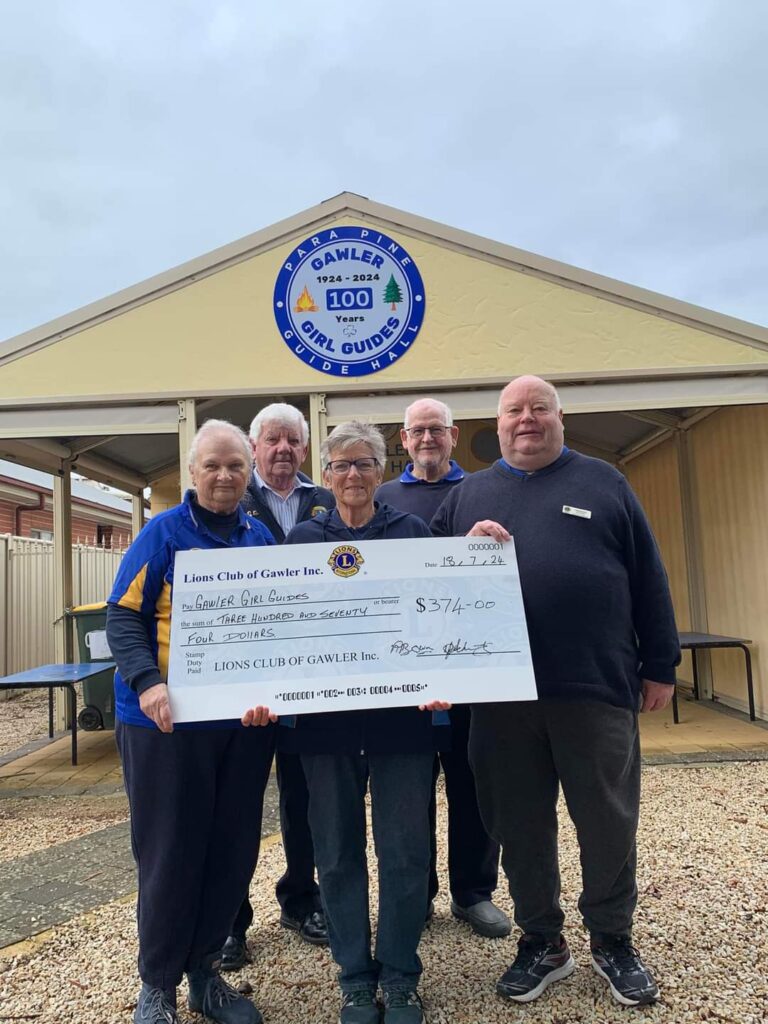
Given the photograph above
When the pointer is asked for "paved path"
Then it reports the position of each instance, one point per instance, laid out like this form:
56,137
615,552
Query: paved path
45,888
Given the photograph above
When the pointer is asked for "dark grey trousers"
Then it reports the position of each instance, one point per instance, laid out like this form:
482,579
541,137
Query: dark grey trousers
521,752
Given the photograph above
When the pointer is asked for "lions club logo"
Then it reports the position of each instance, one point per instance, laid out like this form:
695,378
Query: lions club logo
349,301
346,560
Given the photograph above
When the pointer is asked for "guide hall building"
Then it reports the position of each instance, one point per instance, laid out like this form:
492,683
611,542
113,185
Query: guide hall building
674,395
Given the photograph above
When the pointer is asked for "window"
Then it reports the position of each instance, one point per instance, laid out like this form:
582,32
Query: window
104,535
41,534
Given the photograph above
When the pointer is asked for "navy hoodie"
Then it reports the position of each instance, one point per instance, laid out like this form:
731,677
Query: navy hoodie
403,730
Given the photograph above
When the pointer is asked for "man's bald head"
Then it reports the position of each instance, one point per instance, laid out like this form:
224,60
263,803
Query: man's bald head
530,423
429,437
530,379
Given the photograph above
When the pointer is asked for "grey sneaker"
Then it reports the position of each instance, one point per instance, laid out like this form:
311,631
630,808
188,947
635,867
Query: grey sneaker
210,995
402,1006
538,963
155,1006
631,983
359,1007
485,919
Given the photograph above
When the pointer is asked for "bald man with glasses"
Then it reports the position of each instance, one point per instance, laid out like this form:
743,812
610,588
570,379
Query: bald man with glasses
429,437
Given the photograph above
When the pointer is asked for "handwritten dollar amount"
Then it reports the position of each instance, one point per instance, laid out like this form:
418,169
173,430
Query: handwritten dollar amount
451,605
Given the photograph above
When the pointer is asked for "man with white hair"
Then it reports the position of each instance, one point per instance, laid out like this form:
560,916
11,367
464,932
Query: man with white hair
279,496
429,436
604,646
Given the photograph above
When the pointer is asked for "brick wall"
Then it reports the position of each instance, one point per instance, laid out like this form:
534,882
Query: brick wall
84,530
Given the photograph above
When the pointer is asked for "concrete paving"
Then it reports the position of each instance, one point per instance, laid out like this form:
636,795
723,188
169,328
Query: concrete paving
43,889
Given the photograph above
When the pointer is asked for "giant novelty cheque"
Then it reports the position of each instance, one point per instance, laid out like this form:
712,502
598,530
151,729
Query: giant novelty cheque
330,627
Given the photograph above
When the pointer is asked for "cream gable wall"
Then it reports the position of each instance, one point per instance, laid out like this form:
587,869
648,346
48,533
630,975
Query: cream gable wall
483,320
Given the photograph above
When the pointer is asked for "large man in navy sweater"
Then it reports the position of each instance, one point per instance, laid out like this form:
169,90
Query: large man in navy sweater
604,645
429,437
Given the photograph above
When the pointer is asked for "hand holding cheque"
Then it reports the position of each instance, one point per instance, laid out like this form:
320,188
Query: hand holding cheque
330,627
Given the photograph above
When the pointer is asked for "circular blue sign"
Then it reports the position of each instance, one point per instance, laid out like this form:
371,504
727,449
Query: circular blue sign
349,301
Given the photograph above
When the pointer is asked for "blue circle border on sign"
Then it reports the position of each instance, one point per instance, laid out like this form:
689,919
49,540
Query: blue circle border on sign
406,332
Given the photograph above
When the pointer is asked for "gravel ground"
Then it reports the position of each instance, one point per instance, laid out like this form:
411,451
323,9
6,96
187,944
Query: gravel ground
23,718
702,925
28,825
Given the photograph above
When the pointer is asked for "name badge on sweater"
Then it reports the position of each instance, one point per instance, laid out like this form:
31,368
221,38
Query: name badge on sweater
582,513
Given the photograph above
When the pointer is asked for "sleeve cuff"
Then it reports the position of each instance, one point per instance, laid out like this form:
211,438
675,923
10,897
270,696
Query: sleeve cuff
144,680
659,674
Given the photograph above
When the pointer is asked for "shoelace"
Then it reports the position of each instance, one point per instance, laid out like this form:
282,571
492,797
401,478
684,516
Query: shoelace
219,993
528,953
398,998
159,1004
361,997
624,956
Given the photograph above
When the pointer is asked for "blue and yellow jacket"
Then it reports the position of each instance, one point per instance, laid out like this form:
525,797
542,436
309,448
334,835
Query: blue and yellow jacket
144,583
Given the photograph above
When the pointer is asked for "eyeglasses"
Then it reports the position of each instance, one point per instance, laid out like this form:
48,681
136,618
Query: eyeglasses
418,432
341,466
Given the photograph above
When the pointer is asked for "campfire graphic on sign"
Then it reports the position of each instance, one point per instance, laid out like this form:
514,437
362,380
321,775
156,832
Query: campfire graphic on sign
305,303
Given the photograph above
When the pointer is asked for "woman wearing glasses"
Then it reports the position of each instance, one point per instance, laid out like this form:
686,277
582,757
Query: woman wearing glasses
389,749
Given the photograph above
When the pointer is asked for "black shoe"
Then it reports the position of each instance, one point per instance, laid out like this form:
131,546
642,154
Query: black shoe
312,927
631,983
538,963
359,1007
155,1006
485,918
402,1006
210,995
234,953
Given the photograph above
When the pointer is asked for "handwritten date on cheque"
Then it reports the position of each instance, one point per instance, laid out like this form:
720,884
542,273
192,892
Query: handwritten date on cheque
371,624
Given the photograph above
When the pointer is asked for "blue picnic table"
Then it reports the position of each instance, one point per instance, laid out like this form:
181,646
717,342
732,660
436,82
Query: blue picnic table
52,677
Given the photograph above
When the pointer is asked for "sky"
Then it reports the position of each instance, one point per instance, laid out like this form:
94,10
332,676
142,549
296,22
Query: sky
627,138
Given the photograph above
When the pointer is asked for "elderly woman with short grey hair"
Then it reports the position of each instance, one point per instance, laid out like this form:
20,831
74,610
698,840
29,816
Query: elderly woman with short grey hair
194,838
389,750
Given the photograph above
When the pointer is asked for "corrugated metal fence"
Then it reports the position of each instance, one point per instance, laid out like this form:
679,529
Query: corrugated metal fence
26,594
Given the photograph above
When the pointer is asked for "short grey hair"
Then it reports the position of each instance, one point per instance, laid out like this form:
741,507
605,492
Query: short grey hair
283,414
444,409
220,426
347,435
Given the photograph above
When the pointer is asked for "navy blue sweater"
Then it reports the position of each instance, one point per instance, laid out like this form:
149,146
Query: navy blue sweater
403,730
596,595
421,498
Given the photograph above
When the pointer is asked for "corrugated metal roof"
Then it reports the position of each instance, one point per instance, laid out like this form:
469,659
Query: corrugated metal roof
80,489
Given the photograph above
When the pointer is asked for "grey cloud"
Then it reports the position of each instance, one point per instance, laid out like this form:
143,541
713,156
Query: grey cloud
624,138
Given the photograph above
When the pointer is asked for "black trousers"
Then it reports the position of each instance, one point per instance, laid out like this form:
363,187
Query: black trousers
521,752
473,857
195,837
297,891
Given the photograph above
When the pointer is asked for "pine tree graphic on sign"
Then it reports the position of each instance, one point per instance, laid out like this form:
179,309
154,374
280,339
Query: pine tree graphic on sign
392,293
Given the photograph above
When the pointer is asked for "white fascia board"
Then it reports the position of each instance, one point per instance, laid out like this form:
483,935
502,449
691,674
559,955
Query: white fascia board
84,421
602,396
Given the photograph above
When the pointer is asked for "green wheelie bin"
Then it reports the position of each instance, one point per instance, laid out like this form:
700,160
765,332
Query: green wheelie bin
98,711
